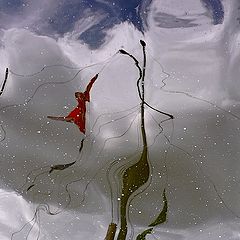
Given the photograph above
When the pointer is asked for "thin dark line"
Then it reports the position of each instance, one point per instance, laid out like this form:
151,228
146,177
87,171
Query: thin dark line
4,82
138,82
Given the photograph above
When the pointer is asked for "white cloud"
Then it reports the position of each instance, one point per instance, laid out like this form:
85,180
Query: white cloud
34,12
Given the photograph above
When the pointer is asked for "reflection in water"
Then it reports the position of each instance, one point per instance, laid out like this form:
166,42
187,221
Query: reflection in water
143,235
39,180
69,182
137,174
4,82
162,217
160,157
111,231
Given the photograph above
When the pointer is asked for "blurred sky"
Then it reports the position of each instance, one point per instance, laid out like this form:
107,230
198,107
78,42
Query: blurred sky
61,17
192,72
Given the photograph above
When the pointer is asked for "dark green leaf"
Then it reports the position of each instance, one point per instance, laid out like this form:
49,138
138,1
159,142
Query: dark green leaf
142,236
162,217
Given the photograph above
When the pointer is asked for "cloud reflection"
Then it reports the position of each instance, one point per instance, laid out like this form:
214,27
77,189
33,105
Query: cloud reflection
194,157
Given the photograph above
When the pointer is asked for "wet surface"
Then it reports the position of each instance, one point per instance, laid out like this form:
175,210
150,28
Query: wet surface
159,159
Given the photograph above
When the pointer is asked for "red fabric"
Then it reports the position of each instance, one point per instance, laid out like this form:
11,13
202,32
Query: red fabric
78,114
